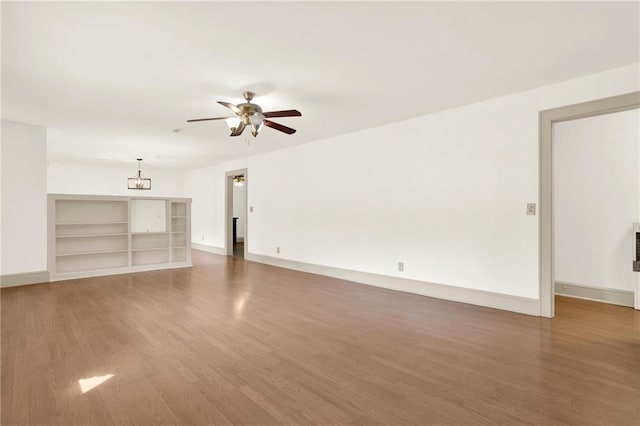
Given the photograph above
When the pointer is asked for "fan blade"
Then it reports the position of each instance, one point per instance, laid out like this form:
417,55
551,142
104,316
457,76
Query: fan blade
232,107
287,113
207,119
285,129
238,130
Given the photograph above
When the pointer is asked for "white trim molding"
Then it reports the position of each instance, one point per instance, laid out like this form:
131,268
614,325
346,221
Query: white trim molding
25,278
546,120
209,249
489,299
606,295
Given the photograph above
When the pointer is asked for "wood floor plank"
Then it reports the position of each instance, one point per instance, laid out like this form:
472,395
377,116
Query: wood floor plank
235,342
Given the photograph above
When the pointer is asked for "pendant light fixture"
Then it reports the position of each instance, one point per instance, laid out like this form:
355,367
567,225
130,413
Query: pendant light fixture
139,182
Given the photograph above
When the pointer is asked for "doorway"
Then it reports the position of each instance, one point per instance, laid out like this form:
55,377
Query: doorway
596,203
547,119
236,188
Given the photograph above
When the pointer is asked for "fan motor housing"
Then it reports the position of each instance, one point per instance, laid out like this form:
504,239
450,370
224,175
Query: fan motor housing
249,109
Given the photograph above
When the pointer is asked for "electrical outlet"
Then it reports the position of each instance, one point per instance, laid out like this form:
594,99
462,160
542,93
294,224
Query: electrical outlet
531,209
278,250
203,238
401,266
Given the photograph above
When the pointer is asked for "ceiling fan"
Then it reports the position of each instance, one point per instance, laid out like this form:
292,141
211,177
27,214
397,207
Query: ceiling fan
251,115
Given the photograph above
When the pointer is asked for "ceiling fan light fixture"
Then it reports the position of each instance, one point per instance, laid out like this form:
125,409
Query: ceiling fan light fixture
257,121
250,115
233,123
238,180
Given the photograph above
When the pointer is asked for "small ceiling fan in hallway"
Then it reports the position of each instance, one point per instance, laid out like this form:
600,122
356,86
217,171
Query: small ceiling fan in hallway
251,116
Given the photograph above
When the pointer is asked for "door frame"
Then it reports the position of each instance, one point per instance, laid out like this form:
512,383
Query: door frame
228,210
547,118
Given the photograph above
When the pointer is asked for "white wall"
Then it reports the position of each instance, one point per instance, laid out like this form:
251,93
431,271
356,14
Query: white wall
596,199
444,193
239,208
24,198
207,206
104,179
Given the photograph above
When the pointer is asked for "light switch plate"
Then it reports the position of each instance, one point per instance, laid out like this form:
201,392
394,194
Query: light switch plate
250,209
531,209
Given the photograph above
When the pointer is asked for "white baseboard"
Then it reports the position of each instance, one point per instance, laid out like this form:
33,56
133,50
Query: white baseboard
458,294
12,280
39,277
489,299
209,249
606,295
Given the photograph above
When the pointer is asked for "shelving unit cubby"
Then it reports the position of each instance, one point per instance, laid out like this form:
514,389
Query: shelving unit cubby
92,235
179,228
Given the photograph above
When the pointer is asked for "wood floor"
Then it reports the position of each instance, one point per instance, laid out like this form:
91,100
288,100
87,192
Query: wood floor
238,249
235,342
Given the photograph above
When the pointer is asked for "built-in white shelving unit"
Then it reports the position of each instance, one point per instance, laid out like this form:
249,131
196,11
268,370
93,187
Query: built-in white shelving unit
104,235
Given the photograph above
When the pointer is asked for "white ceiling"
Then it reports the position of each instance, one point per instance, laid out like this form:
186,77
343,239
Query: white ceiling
112,80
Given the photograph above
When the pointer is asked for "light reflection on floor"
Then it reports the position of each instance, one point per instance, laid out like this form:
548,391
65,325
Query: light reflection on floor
87,384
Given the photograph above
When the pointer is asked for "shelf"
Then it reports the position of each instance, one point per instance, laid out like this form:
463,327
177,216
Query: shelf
178,217
70,229
178,232
148,233
150,257
179,224
151,249
91,212
178,210
90,223
98,262
91,235
85,253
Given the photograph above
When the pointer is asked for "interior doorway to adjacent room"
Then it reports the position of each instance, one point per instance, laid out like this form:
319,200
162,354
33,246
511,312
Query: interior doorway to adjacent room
236,213
596,204
547,268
